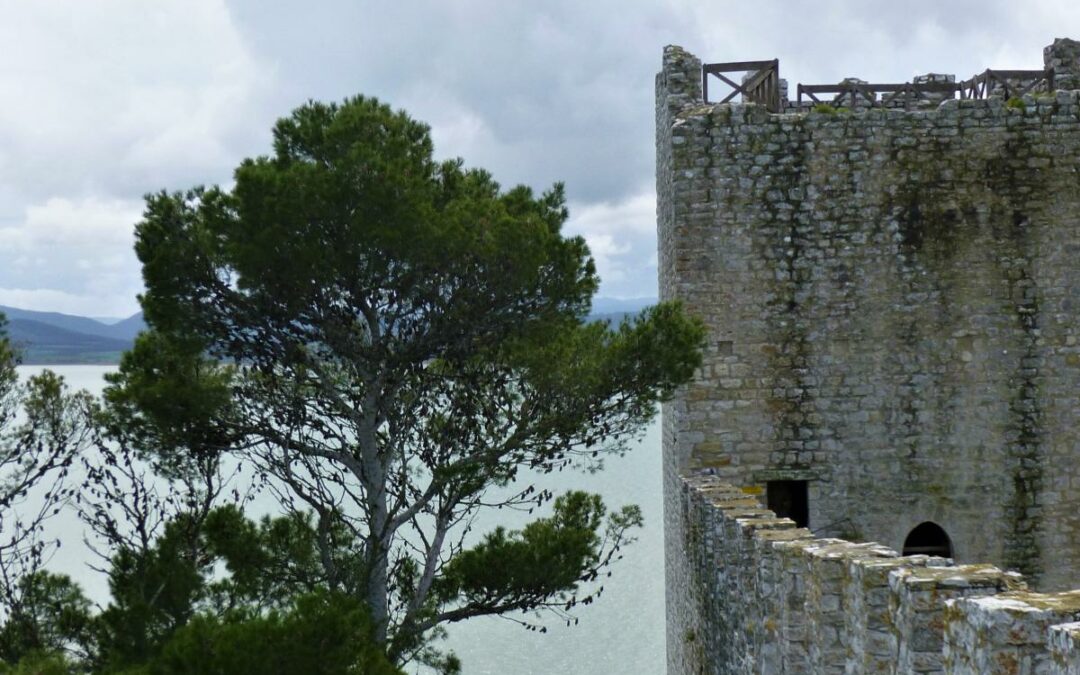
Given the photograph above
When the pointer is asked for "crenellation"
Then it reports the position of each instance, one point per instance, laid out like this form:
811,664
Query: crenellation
770,597
780,600
1009,632
794,562
918,601
870,640
827,604
746,631
1064,57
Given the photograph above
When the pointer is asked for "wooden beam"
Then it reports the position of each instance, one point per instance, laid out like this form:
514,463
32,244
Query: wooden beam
734,66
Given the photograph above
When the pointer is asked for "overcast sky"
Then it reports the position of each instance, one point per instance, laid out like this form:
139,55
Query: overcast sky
106,100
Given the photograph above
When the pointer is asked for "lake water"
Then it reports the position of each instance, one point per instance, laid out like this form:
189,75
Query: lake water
623,632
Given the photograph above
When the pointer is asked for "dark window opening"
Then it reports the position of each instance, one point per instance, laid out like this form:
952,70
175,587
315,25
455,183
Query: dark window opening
928,539
789,499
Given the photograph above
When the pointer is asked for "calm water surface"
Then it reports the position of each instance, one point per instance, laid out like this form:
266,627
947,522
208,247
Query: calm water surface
622,633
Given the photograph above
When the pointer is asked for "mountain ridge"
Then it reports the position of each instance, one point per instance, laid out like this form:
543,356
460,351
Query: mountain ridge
44,344
55,338
125,329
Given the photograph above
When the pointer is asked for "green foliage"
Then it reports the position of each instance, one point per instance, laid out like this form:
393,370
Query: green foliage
1016,103
169,402
55,418
9,357
383,338
270,562
39,664
222,589
403,335
160,590
44,614
319,633
52,616
544,560
154,592
322,634
9,381
825,109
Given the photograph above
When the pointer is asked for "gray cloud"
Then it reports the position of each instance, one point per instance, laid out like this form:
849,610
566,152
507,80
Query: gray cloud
118,98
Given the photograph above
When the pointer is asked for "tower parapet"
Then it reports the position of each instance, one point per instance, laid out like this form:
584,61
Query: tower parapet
1063,56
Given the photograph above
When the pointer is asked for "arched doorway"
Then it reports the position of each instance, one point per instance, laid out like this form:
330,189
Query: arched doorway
928,539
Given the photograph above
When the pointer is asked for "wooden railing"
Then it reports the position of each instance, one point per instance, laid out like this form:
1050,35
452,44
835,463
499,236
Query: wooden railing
1010,82
763,86
858,94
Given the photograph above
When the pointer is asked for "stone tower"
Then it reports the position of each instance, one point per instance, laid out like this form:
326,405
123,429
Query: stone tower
893,304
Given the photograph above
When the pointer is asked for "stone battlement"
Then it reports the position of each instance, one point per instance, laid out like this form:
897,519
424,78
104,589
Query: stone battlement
779,600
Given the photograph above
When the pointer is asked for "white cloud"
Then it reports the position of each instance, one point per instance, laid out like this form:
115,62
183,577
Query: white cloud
53,300
108,100
87,223
621,236
64,244
122,95
825,41
636,215
456,129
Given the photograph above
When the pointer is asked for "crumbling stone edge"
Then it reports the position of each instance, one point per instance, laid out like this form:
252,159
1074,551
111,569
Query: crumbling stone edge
777,599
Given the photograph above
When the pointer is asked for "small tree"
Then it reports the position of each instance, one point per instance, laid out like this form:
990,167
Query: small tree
321,634
53,618
404,337
218,567
154,459
42,427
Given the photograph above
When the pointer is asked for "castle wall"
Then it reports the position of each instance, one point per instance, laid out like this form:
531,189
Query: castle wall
893,304
678,85
1010,632
778,600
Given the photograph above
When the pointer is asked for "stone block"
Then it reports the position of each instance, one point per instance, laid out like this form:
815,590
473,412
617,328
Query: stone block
871,641
1064,645
825,602
1006,633
917,603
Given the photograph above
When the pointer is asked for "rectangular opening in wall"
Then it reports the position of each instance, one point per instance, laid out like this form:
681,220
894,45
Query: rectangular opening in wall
790,499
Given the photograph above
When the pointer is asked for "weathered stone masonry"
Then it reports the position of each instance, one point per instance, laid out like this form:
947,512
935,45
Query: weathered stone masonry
893,303
782,601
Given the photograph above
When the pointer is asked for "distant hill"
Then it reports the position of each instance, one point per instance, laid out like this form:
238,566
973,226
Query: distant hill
129,327
51,338
43,344
126,329
606,306
614,310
